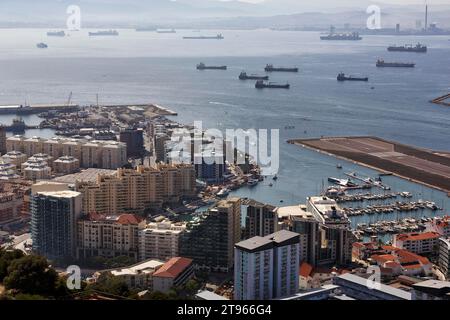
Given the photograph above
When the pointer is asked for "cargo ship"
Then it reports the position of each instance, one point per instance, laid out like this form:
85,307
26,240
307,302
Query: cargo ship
17,127
202,66
354,36
271,68
381,63
56,34
146,29
409,48
245,76
342,77
260,84
104,33
217,37
42,45
166,31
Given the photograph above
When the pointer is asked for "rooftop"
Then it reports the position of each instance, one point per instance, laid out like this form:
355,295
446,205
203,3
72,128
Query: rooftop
400,294
60,194
88,175
417,236
147,266
294,211
173,268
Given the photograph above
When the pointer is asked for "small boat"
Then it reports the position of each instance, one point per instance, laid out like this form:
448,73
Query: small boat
270,184
223,193
42,45
275,177
252,182
339,166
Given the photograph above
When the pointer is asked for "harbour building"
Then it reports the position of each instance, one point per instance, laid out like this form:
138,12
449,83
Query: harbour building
209,239
267,267
54,216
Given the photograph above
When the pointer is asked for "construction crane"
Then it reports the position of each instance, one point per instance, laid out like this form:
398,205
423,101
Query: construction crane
70,99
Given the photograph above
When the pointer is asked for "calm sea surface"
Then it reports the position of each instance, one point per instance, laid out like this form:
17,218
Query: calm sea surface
160,68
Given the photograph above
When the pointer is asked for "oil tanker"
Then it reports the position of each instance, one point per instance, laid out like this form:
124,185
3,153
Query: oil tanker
381,63
202,66
217,37
419,48
342,77
245,76
260,84
271,68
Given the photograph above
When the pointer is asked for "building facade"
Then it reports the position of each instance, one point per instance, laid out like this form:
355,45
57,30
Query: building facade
419,243
260,220
136,190
267,267
54,216
160,240
91,153
108,236
209,239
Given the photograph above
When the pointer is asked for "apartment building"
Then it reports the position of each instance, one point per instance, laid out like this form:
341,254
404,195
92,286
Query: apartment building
160,240
209,239
260,220
108,236
419,243
134,191
91,153
267,267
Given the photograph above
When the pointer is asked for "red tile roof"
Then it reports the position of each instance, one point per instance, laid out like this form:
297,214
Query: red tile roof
173,268
418,236
305,269
129,219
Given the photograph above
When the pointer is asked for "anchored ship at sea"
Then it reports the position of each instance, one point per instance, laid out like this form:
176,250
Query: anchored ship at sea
342,77
56,34
245,76
260,84
202,66
409,48
382,63
42,45
271,68
166,31
145,29
104,33
217,37
353,36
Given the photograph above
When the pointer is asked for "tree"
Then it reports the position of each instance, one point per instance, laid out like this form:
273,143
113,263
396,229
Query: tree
31,275
6,257
108,283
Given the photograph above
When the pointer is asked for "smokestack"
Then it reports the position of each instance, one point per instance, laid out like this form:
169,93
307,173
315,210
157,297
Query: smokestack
426,17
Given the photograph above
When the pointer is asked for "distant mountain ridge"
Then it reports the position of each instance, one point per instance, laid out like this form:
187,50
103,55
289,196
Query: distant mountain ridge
206,13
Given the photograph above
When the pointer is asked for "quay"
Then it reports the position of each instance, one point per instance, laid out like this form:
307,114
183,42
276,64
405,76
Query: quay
442,100
19,109
424,166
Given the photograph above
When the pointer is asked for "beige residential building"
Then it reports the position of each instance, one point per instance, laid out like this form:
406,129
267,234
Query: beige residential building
92,154
160,240
66,165
108,236
132,190
36,170
15,157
